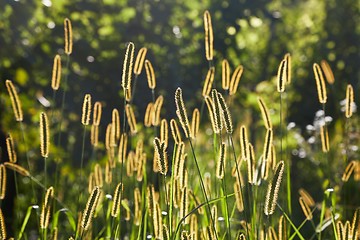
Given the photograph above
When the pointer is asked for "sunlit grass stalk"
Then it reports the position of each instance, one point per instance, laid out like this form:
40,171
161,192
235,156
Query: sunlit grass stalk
203,187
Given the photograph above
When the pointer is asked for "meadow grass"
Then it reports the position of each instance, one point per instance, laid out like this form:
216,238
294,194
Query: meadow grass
208,181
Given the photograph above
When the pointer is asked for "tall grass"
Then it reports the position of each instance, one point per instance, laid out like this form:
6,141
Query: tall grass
144,182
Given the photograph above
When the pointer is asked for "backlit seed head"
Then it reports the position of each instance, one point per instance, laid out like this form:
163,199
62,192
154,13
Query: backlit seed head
348,171
208,81
320,83
218,114
195,123
127,66
287,58
181,112
238,197
175,131
68,36
94,135
305,208
150,74
164,132
235,79
324,139
226,116
15,101
2,181
327,71
97,113
157,110
98,175
131,118
209,37
273,189
160,151
282,76
56,73
306,197
115,210
265,113
2,226
17,168
10,146
90,208
44,135
225,74
115,124
86,110
139,61
349,101
149,112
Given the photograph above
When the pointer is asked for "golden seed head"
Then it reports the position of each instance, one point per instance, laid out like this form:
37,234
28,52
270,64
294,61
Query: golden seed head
97,113
115,210
225,74
195,123
44,135
56,73
2,181
45,209
94,135
208,81
160,151
267,145
86,110
175,131
273,189
320,83
324,139
282,228
348,171
17,168
305,208
108,173
164,132
90,208
327,71
251,162
115,124
68,36
149,115
282,76
181,112
150,74
209,36
265,113
306,197
157,110
139,61
127,66
98,175
349,101
2,226
15,101
235,79
122,148
218,114
244,143
137,203
221,163
10,146
131,118
226,116
287,58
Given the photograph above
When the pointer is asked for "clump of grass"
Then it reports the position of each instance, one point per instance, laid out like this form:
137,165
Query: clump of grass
159,194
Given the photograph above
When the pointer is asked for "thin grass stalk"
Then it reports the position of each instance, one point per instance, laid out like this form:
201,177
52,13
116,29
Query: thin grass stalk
203,187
